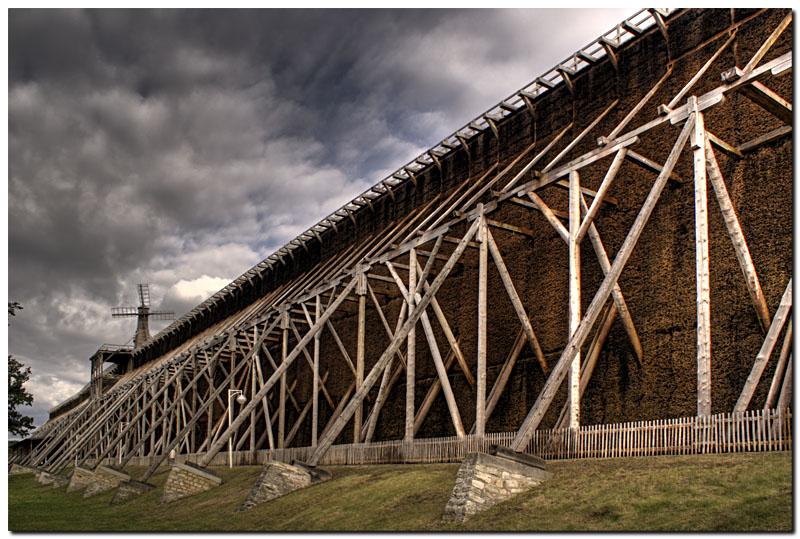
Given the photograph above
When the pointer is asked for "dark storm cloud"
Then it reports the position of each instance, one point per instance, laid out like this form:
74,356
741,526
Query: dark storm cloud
180,147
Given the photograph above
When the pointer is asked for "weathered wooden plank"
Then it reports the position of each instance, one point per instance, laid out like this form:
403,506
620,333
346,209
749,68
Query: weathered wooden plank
511,290
680,96
698,143
768,43
756,143
737,237
601,192
766,350
573,387
315,382
769,101
580,136
778,375
480,399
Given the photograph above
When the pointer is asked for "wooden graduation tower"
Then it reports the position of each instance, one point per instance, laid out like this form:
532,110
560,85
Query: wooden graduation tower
611,243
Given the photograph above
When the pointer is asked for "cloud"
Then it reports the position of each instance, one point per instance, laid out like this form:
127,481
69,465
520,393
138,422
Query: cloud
181,147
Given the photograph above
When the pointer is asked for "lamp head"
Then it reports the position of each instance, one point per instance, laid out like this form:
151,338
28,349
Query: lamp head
241,399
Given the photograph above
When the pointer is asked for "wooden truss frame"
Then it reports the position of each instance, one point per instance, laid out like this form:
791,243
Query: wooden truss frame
177,405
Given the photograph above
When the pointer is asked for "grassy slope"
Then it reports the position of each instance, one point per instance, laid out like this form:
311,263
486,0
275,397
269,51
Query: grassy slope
728,492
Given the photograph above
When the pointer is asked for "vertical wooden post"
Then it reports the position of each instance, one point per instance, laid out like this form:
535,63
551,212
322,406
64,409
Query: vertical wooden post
252,392
361,291
483,270
701,262
411,343
315,390
574,376
282,401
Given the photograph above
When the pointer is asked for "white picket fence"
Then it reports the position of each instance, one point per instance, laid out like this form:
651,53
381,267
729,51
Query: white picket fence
751,431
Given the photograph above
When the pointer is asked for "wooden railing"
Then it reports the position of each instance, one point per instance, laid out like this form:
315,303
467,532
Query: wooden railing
751,431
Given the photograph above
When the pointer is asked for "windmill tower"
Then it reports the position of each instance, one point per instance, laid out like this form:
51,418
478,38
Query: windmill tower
143,315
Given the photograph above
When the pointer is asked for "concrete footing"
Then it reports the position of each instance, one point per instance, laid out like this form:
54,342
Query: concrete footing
187,480
130,489
55,480
278,479
81,478
16,469
486,479
104,479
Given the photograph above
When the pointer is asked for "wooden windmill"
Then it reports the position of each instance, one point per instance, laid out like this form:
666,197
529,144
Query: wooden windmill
143,314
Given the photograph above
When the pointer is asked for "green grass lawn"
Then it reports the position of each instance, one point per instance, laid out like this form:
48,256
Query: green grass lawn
736,492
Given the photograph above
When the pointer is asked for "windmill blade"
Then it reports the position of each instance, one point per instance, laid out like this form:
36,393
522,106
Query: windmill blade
144,295
117,312
162,315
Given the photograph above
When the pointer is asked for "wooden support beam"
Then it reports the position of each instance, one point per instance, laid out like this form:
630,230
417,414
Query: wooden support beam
411,350
503,376
768,43
564,184
785,398
766,350
511,290
698,143
337,412
265,406
315,386
390,376
282,391
680,96
214,449
635,110
441,371
769,101
483,273
601,193
326,441
544,399
724,146
651,165
573,387
577,139
616,292
737,238
431,395
778,376
361,290
527,168
775,134
593,353
306,408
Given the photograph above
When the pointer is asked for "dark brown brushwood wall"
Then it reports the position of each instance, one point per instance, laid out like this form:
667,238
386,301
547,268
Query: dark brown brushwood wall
659,279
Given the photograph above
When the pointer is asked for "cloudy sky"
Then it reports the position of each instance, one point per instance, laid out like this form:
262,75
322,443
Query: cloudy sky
180,148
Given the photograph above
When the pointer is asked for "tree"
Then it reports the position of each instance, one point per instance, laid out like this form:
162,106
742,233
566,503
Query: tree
18,374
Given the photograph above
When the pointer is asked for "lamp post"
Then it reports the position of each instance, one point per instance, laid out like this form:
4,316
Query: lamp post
241,399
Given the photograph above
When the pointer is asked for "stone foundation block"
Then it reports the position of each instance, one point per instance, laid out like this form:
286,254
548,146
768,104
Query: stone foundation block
104,479
81,478
17,469
187,480
46,478
484,480
60,481
130,489
278,479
